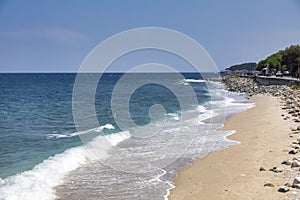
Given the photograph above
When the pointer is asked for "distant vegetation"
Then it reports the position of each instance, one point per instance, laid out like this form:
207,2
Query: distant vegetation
245,66
283,60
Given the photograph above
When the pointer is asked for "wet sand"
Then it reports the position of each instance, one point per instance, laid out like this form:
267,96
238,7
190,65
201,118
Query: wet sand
233,173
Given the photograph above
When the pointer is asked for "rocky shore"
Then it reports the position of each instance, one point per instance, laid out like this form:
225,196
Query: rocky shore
289,98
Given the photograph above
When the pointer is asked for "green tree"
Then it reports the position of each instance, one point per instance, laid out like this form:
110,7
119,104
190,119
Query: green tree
287,59
291,58
261,64
273,61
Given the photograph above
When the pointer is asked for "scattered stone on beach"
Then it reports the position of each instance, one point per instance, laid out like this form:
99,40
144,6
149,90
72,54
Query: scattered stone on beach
287,162
293,151
283,189
276,169
288,185
296,158
262,169
295,163
269,184
290,104
296,182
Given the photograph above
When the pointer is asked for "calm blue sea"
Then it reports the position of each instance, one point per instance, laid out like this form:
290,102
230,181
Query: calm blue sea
41,151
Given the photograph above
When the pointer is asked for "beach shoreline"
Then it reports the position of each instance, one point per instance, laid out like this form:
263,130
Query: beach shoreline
234,172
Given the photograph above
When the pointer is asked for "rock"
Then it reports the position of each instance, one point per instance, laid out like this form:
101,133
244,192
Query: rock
296,182
283,189
295,163
298,128
287,162
288,185
296,158
276,169
262,169
269,184
294,129
292,151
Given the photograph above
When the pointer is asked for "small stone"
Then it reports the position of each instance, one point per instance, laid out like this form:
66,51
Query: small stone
288,185
295,163
294,129
296,147
262,169
284,189
292,151
287,162
296,158
296,182
298,128
276,169
269,184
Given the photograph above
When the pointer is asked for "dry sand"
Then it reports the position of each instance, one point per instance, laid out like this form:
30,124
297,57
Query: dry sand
233,173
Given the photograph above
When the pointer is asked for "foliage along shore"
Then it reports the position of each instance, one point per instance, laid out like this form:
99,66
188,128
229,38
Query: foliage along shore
283,60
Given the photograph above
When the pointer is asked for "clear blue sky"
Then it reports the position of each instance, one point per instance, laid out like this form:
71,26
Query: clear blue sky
56,35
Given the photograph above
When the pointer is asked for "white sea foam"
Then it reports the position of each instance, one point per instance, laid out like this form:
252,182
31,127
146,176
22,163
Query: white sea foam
66,135
39,183
201,109
174,116
193,81
187,81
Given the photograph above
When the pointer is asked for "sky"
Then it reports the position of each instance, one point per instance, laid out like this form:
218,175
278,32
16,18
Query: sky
57,35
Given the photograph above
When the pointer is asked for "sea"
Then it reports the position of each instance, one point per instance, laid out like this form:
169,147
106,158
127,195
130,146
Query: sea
128,144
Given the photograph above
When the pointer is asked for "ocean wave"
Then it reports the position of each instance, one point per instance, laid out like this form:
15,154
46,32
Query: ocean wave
193,81
39,183
201,109
174,116
67,135
188,81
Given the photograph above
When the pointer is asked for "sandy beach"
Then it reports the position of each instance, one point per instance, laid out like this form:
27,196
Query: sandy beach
233,173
